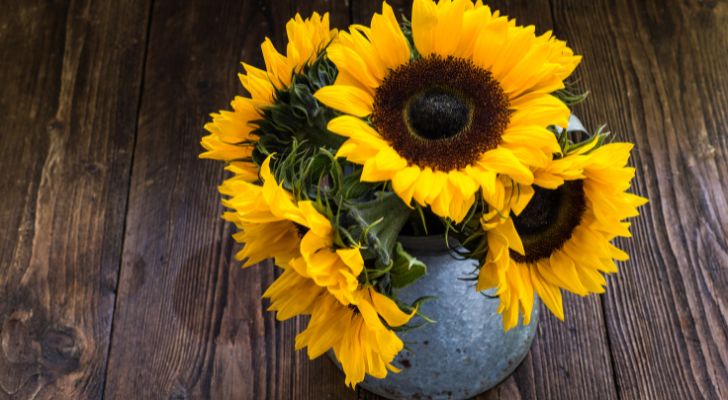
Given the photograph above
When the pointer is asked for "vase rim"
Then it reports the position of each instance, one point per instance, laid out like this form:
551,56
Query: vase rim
429,243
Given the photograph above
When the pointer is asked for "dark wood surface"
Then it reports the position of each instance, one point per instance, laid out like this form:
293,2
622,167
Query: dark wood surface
117,278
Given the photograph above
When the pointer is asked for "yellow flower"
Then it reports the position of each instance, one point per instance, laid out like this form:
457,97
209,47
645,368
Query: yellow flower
561,239
355,332
335,269
265,216
317,280
323,282
473,103
231,137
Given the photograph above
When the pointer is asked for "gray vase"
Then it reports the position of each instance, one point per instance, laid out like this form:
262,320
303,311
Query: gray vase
464,353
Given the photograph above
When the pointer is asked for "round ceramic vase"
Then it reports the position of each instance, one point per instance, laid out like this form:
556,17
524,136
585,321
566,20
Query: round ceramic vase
464,353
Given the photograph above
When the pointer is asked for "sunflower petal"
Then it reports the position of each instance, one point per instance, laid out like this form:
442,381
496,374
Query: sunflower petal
389,310
347,99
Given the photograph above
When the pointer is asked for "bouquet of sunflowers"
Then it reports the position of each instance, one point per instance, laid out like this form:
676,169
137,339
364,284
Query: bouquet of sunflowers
452,122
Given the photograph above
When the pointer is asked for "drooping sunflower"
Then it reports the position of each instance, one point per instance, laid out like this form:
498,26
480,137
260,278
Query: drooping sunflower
441,113
345,316
266,217
317,280
562,238
360,340
231,137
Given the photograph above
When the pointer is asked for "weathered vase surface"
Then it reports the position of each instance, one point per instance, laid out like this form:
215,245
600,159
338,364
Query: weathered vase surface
466,352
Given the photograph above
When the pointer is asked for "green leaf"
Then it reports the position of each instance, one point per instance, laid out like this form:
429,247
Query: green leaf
381,219
406,269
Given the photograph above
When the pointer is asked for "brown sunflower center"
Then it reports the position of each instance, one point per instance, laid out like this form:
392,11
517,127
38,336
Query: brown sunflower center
441,113
549,220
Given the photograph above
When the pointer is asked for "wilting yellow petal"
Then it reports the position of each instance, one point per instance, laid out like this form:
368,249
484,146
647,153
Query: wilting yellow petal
352,258
389,310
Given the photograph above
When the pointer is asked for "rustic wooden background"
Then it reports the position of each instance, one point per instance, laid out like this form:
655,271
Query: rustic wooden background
116,276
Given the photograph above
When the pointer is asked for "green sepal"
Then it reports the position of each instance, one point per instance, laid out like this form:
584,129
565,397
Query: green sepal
570,98
601,136
376,273
416,305
405,268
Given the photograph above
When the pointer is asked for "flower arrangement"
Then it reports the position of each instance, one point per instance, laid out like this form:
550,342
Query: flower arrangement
452,123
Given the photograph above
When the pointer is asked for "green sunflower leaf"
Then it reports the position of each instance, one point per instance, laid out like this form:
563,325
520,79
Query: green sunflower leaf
406,269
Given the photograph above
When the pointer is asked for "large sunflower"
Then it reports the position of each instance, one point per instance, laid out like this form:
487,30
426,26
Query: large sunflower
443,114
231,136
561,239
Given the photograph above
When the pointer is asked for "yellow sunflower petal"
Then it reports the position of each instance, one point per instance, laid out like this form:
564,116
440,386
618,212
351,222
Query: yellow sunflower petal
449,26
353,259
540,111
424,22
403,183
388,40
508,230
503,161
551,295
347,59
389,310
347,99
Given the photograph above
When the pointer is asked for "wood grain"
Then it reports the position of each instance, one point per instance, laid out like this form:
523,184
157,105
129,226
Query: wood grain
117,278
70,74
187,312
657,72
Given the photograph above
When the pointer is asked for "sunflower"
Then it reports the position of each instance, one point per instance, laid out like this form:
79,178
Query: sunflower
360,340
231,137
317,280
561,238
267,219
443,114
324,282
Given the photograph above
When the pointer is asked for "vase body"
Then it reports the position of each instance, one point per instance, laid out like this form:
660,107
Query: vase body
464,353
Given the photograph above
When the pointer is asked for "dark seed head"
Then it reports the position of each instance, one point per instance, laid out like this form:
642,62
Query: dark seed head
549,220
442,113
437,114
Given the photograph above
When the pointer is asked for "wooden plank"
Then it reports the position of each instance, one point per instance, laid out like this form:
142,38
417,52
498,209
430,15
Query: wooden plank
362,10
190,322
657,71
71,77
339,10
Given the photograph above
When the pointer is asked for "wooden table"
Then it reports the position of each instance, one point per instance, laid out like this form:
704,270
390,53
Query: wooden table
117,278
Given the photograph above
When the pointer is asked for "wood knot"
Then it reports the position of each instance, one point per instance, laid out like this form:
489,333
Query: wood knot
61,349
